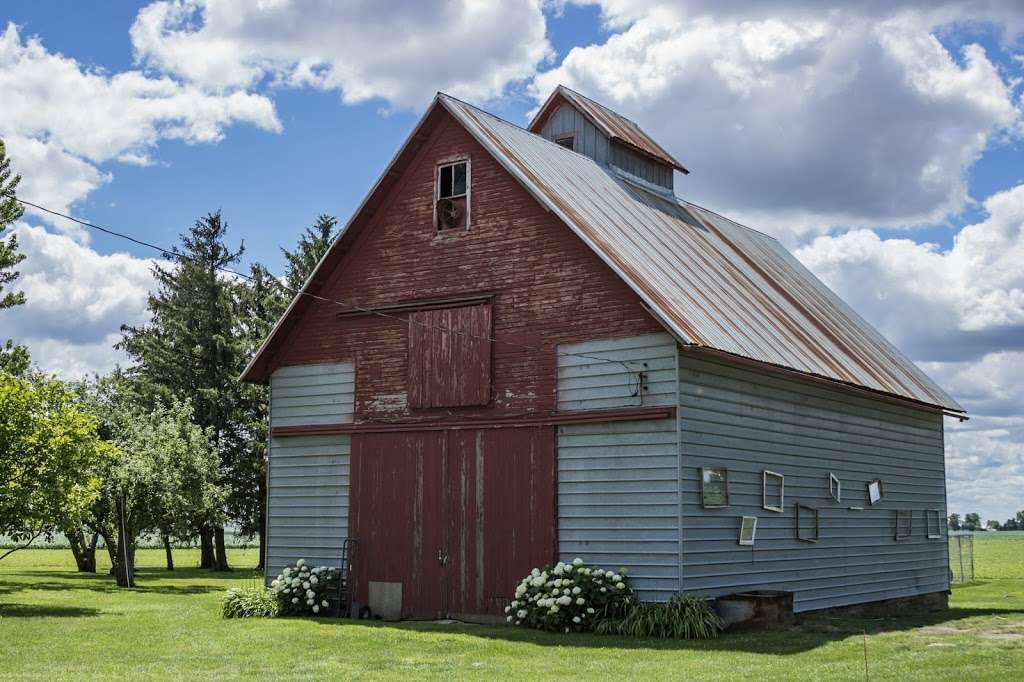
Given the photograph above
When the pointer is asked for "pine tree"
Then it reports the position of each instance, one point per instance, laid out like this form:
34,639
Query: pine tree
13,359
190,350
313,244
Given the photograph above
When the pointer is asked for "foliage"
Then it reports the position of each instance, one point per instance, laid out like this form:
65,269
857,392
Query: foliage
10,210
49,452
569,597
14,359
954,521
972,521
313,244
303,590
249,602
683,617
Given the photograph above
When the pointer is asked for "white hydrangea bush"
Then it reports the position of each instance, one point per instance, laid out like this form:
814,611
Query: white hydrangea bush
303,590
569,597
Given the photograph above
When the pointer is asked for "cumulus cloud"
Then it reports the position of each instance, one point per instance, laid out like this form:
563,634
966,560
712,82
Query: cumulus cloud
799,117
77,301
401,51
61,120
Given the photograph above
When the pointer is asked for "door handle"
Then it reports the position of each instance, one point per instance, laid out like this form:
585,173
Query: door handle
442,558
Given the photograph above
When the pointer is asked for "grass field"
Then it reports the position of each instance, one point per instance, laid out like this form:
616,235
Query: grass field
59,624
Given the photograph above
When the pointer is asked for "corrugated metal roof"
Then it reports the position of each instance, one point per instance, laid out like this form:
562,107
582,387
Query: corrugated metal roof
715,283
612,124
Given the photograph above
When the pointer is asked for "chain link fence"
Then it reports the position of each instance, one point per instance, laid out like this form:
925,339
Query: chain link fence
961,557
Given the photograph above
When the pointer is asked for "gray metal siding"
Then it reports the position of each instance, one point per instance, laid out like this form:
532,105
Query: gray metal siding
618,500
641,166
589,141
303,395
750,421
588,381
307,513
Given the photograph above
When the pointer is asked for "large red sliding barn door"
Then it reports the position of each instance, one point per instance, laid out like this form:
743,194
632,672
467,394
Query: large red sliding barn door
455,516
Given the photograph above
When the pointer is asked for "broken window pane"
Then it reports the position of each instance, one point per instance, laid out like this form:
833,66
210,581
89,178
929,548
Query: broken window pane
459,179
445,178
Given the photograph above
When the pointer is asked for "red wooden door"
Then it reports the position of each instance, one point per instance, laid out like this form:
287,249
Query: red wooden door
457,517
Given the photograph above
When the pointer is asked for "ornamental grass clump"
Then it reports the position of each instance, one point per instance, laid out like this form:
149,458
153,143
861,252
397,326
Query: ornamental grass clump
569,597
683,617
249,602
303,590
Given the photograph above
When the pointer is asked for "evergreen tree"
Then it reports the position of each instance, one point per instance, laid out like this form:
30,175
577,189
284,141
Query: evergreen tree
313,244
13,359
190,351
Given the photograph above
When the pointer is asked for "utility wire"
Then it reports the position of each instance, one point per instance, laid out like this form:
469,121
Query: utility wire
299,292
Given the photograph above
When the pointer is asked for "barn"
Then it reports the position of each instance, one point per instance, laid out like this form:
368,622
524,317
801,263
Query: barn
524,347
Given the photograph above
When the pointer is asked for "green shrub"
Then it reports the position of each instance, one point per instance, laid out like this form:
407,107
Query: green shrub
683,617
569,597
304,590
249,602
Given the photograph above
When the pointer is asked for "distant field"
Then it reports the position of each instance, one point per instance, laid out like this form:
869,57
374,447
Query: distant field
56,624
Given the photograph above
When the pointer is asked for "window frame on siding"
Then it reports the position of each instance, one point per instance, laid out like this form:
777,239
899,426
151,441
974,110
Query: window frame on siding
930,514
901,516
800,534
703,490
764,491
745,522
442,165
881,491
835,487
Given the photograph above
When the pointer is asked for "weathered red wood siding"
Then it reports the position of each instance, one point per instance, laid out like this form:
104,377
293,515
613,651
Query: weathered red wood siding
548,288
450,368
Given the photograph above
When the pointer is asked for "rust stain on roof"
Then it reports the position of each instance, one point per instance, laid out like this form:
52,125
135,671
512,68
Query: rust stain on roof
714,282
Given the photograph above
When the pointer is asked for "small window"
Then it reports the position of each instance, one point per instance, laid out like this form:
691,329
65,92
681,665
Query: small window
933,523
567,141
808,523
452,196
773,491
835,487
714,488
748,529
875,491
904,523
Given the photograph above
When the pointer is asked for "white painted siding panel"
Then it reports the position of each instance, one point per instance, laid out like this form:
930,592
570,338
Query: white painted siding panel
307,513
603,373
304,395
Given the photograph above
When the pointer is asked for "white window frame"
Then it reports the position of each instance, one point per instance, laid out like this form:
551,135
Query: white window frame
447,163
881,491
835,487
936,515
764,491
744,520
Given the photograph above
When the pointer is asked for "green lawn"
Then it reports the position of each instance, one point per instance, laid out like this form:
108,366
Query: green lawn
58,624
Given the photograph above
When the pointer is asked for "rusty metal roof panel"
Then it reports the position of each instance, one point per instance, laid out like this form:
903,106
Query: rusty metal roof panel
715,283
612,124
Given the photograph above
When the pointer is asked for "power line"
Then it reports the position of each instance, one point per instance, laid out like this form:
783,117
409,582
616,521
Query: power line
349,307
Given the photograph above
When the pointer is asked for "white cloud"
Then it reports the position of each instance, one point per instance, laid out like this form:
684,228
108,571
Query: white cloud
62,120
803,117
77,301
401,51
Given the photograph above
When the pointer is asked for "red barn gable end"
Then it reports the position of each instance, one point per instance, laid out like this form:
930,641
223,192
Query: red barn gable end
483,373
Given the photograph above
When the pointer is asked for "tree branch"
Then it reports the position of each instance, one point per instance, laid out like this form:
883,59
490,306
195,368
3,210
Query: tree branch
25,546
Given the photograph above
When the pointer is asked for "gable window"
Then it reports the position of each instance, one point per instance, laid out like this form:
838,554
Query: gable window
567,141
452,195
450,357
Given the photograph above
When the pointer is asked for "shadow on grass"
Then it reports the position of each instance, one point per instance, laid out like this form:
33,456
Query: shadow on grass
101,582
41,611
811,632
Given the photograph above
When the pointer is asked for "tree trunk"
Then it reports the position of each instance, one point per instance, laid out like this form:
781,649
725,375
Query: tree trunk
83,548
168,553
110,542
222,550
205,547
125,556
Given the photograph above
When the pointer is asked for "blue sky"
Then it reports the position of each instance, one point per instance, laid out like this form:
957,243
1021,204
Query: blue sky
881,142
